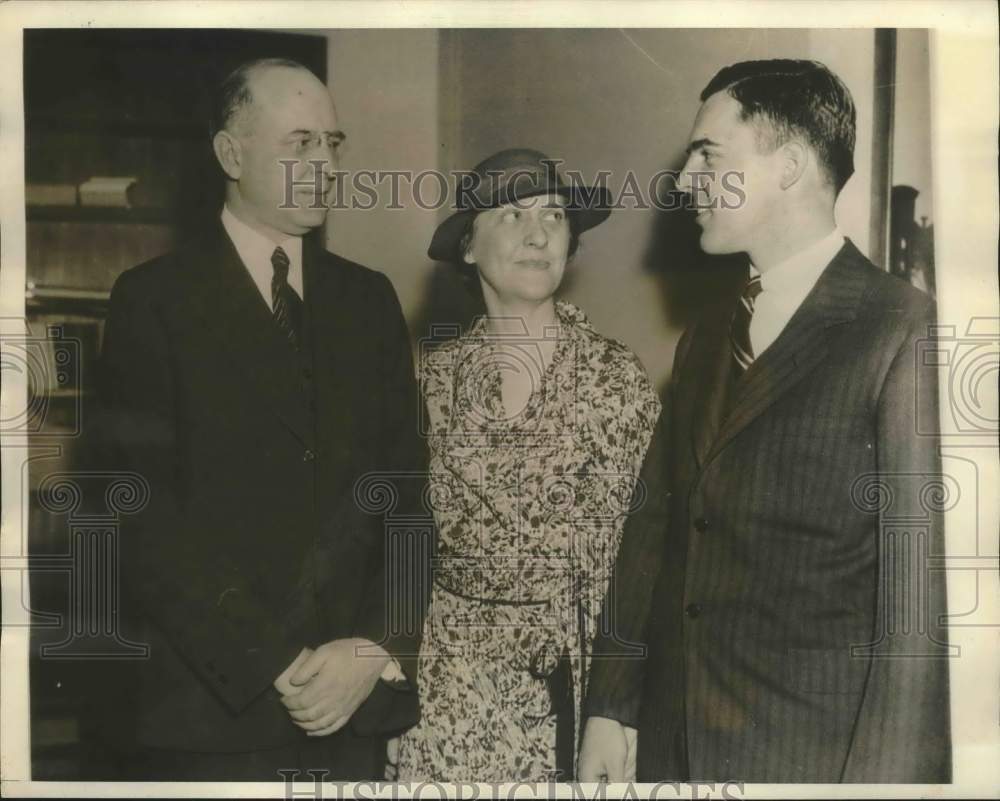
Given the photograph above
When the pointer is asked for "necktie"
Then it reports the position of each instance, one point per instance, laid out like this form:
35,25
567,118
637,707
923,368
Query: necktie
739,329
286,305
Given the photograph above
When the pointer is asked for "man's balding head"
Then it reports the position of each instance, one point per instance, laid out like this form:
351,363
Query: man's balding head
234,96
275,135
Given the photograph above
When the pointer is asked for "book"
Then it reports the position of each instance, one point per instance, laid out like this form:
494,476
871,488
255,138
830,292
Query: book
106,191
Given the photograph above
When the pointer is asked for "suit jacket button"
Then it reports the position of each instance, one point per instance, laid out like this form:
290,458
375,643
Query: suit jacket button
308,456
701,525
692,610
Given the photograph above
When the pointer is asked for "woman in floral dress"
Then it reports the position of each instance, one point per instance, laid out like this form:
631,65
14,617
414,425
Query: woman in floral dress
538,426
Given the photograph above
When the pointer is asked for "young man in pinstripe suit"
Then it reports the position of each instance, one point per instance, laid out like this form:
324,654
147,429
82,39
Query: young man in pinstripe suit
791,633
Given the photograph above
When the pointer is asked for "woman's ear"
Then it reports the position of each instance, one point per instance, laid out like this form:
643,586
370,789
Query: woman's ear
229,153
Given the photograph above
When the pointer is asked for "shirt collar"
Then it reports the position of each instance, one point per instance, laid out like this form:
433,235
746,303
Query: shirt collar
801,270
253,246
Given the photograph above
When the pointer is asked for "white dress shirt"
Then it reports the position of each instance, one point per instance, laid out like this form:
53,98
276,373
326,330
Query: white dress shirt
785,286
255,251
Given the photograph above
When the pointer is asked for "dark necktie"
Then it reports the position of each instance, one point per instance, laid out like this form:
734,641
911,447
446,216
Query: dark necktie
286,305
739,329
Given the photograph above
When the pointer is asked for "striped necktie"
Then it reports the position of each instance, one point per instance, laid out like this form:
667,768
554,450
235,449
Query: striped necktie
285,304
739,329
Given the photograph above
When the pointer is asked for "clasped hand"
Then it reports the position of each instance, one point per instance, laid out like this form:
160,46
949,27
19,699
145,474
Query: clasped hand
321,689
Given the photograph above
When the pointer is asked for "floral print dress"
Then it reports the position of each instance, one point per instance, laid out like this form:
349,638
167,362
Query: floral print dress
530,510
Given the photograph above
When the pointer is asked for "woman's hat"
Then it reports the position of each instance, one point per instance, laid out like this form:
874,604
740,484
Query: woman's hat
508,176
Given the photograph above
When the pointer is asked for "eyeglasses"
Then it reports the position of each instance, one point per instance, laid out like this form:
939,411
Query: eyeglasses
305,141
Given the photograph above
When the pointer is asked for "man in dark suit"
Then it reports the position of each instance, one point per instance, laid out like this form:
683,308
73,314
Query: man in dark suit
252,379
791,633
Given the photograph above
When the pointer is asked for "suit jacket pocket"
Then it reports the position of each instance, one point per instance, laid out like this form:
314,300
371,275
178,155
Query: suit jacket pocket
826,671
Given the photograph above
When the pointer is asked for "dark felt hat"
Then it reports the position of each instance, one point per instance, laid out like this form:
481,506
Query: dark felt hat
509,176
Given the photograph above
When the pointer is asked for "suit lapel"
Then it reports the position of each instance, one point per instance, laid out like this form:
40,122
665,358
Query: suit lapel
239,320
704,401
802,345
329,313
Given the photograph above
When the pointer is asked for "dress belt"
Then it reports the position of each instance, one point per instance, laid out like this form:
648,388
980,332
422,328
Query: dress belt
487,601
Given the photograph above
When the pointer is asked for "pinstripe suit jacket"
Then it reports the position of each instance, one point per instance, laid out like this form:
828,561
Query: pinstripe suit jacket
780,589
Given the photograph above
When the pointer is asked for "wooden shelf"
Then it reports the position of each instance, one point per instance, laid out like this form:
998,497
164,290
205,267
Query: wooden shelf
66,301
100,214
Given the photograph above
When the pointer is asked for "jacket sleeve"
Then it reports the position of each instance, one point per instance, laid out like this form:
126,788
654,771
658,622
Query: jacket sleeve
392,615
619,664
902,733
206,609
619,656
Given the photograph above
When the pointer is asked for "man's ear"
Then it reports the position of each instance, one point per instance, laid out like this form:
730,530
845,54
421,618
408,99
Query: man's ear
229,153
794,160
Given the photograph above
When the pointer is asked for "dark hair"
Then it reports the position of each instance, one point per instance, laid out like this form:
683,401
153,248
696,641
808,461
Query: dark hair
785,98
468,271
233,94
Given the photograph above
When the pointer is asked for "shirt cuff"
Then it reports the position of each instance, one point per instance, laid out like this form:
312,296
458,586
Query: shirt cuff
393,675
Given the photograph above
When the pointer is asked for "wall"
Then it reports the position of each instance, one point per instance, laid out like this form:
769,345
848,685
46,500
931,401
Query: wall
911,140
385,86
851,54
